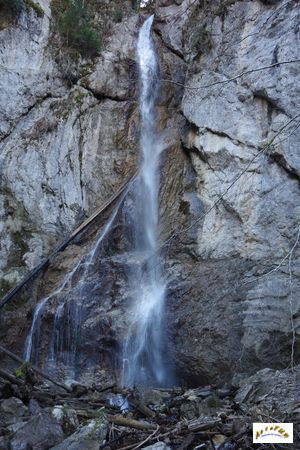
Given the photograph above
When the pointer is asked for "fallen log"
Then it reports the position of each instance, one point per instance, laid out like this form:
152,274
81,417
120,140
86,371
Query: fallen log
131,423
35,369
197,425
11,378
61,247
143,409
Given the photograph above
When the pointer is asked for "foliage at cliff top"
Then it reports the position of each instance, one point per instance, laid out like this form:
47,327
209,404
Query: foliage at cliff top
15,7
12,6
76,27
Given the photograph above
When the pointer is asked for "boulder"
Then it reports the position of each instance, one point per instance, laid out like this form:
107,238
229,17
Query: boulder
158,446
272,392
66,417
39,433
88,437
14,407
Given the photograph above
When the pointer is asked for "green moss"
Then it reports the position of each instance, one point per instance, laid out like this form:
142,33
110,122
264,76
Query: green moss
202,41
36,7
118,15
5,286
213,402
79,96
58,7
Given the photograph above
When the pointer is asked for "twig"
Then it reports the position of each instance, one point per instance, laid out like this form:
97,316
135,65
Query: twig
35,369
134,446
10,377
246,72
263,150
131,423
287,256
291,301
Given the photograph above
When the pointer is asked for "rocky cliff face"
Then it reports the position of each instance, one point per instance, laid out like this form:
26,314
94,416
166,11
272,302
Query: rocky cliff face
242,311
230,191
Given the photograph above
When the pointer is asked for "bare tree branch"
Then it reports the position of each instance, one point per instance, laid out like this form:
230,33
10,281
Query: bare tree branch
291,300
287,257
230,79
263,150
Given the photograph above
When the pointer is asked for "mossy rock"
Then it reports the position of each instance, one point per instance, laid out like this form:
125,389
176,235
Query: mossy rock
36,7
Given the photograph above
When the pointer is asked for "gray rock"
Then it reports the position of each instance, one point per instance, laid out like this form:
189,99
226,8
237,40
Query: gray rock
158,446
64,151
88,437
4,443
34,407
234,318
66,417
271,392
14,407
39,433
15,426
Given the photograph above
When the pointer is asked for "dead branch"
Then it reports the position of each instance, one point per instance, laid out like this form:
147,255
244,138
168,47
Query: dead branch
35,369
11,378
291,300
131,423
246,72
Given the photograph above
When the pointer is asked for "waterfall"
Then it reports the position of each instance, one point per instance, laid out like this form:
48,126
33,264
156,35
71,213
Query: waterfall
67,318
138,256
32,340
143,348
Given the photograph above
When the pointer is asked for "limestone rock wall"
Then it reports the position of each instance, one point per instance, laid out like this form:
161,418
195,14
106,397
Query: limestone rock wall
241,308
64,149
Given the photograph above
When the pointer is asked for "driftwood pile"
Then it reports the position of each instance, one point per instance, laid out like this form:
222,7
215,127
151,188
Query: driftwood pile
200,418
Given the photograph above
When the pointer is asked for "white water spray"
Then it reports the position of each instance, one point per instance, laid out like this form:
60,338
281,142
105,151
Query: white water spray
143,350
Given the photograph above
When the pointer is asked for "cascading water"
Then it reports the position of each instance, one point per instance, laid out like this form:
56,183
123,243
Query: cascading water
124,263
143,349
65,334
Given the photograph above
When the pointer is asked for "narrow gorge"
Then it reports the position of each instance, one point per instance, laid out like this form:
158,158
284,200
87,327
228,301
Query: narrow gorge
149,202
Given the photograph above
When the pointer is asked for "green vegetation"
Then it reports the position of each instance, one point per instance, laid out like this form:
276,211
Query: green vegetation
14,7
202,41
75,26
19,372
36,7
58,7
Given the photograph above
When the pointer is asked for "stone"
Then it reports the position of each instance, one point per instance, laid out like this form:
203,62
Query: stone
4,443
158,446
270,392
34,407
15,426
66,417
14,407
88,437
234,318
223,392
39,433
152,396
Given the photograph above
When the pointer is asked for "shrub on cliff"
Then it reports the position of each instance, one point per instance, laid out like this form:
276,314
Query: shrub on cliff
76,27
11,6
